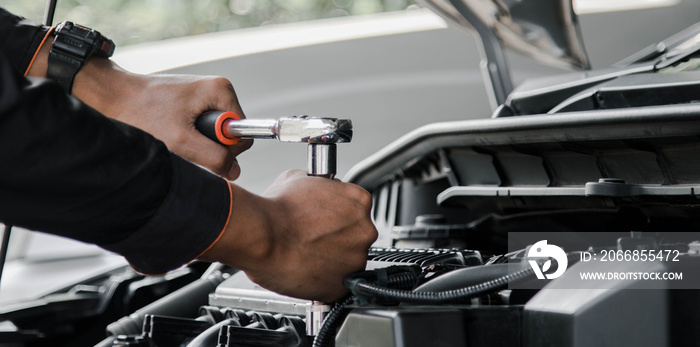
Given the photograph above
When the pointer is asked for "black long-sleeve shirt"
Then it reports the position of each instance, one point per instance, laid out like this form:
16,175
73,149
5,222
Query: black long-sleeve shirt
65,169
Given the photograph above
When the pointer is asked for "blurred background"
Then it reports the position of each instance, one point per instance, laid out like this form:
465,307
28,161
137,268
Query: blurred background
136,21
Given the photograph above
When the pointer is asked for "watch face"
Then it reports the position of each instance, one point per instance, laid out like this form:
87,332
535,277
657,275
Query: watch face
81,31
85,41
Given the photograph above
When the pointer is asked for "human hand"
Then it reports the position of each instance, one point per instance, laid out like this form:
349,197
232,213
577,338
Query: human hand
301,237
166,106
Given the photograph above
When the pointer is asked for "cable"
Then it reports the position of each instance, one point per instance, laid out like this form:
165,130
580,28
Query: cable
326,335
49,12
404,277
395,283
4,246
360,286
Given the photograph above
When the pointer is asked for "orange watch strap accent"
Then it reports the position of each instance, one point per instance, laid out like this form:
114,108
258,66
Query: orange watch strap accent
36,53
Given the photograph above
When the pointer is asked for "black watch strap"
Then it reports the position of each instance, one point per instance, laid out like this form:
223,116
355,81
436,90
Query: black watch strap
73,45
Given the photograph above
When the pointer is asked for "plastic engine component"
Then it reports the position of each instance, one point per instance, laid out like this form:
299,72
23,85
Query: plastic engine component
431,326
225,328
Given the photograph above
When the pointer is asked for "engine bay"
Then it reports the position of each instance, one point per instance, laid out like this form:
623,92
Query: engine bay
444,297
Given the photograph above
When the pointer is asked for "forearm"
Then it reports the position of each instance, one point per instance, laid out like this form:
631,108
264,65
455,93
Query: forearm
300,237
97,83
72,172
166,106
19,39
247,236
81,175
27,46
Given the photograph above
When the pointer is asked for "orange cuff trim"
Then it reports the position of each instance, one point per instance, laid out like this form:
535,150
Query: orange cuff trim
228,219
48,33
141,273
230,211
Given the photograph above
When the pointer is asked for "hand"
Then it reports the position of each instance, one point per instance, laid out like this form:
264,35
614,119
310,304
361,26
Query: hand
301,237
166,106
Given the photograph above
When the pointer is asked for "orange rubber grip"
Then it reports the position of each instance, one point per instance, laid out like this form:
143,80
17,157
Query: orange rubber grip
213,125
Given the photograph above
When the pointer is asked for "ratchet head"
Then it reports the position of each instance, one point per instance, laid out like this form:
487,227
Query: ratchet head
314,130
321,135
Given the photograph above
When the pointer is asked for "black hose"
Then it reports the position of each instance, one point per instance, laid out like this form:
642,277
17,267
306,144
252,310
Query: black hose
326,335
403,281
404,277
396,282
362,287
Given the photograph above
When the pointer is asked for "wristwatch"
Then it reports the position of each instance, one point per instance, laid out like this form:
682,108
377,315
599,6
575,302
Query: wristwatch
72,46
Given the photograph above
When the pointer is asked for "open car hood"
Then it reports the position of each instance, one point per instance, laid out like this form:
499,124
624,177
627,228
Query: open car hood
546,30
